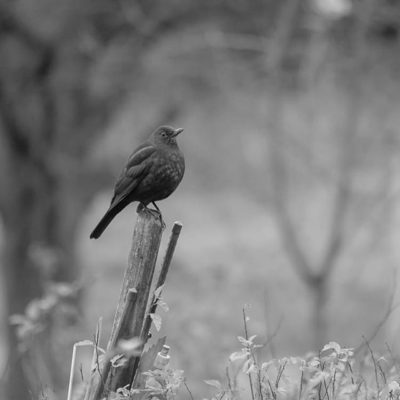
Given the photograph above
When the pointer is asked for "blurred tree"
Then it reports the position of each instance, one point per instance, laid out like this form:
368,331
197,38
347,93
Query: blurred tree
297,47
347,143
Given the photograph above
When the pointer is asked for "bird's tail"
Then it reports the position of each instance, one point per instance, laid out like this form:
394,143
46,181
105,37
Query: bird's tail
105,221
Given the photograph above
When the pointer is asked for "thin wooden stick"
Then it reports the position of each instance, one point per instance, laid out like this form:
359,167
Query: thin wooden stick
176,230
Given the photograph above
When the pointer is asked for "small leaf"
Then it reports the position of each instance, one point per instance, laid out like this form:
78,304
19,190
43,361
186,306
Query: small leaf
328,349
394,387
118,360
251,338
214,383
163,305
248,366
157,321
238,355
157,292
124,391
242,341
152,383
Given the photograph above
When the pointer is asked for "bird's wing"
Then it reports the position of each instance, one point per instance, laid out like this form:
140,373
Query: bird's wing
133,173
140,154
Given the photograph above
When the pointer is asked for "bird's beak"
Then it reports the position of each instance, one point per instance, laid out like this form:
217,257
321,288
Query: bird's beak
177,132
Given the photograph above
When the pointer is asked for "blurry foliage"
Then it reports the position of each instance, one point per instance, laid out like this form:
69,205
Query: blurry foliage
39,316
334,373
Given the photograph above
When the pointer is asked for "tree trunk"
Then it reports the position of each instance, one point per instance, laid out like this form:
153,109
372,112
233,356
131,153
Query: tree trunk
319,298
23,284
34,216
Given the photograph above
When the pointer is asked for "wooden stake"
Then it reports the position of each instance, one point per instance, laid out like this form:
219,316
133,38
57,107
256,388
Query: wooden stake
129,315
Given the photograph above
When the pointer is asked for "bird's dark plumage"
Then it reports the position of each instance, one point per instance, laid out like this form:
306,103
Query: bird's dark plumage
153,172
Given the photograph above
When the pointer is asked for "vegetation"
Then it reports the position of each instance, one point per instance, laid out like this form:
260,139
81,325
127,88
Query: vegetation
332,373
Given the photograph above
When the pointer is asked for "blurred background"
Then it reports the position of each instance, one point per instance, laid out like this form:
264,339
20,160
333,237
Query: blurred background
290,202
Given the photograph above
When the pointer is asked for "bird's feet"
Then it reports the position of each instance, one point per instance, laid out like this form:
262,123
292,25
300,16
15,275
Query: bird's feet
156,212
159,214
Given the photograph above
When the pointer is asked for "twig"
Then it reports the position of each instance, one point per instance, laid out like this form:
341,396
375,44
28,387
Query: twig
326,387
393,358
96,348
71,373
333,384
391,307
375,366
97,338
187,388
228,379
301,383
272,390
382,372
279,376
246,335
272,336
176,230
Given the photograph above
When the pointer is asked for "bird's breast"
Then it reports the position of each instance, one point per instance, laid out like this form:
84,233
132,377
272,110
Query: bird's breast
165,173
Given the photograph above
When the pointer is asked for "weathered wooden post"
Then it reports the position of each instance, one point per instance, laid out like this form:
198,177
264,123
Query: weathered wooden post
132,316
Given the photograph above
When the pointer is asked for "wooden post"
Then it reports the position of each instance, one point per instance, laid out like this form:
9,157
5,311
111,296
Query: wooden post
139,273
129,316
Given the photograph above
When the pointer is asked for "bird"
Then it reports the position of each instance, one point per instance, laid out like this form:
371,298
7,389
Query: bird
152,173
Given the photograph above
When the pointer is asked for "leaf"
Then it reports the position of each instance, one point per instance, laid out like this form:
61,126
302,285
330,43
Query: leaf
152,383
124,391
157,292
164,306
328,349
243,341
238,355
157,321
248,366
214,383
251,338
118,360
394,388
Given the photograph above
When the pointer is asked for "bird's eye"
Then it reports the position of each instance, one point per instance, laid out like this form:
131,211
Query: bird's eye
163,133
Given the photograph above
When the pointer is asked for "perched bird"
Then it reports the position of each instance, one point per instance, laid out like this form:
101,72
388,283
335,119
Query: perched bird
153,172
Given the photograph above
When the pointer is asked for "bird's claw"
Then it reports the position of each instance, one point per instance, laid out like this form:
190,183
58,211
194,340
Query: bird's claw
158,214
155,212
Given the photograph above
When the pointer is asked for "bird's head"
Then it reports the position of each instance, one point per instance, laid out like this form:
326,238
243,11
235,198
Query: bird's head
165,135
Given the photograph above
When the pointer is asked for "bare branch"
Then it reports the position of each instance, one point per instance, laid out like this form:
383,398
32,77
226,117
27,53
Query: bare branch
348,147
391,307
278,43
11,23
